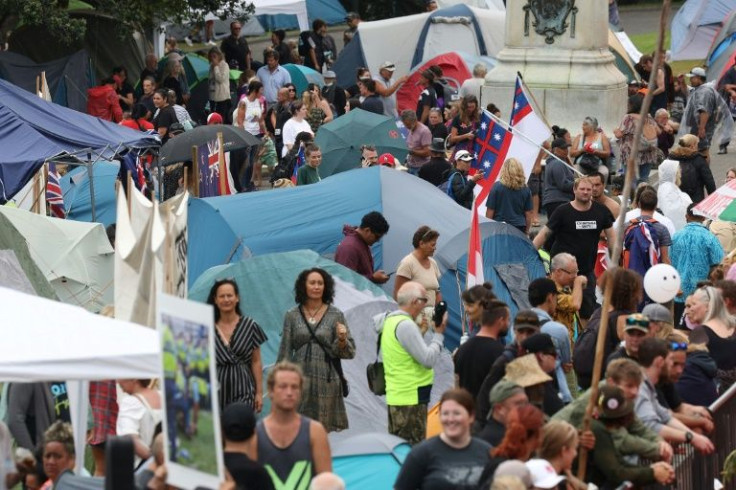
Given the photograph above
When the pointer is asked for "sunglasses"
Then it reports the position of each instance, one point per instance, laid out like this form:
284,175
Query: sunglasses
637,321
676,346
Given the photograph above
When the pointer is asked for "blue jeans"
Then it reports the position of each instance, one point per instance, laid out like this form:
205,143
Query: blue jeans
644,171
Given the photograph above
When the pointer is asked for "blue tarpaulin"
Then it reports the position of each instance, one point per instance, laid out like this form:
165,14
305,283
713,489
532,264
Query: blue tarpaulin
33,131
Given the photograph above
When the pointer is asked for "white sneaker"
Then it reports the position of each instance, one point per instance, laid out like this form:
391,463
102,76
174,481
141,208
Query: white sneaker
211,42
188,40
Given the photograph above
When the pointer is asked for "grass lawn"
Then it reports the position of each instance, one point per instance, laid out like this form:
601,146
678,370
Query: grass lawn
200,446
647,42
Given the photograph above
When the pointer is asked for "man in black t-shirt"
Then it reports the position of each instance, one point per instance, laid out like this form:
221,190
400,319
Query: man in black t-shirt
577,226
238,427
475,357
371,102
236,49
438,169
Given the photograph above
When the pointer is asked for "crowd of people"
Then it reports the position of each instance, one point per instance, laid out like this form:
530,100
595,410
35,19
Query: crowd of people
515,417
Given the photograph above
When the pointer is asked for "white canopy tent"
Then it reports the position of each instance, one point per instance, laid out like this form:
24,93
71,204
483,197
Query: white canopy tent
45,340
274,7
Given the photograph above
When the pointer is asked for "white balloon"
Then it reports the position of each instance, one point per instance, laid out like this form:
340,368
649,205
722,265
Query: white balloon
662,282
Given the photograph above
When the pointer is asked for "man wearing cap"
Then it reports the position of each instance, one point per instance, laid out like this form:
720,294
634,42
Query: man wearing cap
334,94
418,141
504,397
437,170
462,186
559,177
407,362
700,112
238,427
273,76
637,329
653,359
660,319
577,227
638,439
526,324
427,97
608,468
386,87
543,348
474,358
542,296
371,102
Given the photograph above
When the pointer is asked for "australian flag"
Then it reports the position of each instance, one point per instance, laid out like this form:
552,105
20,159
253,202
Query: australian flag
299,163
492,143
54,196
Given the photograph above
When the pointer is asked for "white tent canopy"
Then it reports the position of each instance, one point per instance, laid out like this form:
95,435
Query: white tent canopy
273,7
43,340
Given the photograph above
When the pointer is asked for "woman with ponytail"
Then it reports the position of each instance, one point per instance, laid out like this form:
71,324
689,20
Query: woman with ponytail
523,437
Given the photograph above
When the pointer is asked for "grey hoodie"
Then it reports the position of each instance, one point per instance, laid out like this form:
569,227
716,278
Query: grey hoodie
410,338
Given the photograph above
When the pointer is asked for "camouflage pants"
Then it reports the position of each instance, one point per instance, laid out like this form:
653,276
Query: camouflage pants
408,422
572,383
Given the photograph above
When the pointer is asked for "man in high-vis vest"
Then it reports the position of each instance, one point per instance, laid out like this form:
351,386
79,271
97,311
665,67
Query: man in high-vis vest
408,361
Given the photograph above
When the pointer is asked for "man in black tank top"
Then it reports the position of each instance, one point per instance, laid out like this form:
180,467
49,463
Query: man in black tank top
293,448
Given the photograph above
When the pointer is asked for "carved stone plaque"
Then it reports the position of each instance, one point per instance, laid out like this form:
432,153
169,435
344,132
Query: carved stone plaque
550,18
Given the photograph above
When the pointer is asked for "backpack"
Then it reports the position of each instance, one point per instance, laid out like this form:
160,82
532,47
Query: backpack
641,245
446,186
285,168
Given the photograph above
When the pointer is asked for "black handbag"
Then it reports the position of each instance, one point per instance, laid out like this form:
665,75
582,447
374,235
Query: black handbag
589,163
376,374
334,362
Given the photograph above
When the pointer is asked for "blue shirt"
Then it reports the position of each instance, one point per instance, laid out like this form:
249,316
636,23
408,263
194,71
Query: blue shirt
694,250
272,82
561,338
509,205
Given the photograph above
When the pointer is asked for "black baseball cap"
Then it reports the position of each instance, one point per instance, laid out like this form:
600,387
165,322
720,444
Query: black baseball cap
539,343
238,422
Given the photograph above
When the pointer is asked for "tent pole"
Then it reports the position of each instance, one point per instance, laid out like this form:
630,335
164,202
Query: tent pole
91,186
195,170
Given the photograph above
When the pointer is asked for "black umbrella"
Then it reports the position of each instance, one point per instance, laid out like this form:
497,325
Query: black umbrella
179,148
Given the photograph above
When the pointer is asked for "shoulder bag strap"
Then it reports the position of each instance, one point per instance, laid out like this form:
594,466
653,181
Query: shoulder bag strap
333,361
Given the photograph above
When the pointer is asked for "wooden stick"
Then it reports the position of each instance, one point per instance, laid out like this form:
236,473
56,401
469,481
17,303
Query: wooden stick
186,178
534,99
618,245
222,168
129,187
597,366
195,170
632,164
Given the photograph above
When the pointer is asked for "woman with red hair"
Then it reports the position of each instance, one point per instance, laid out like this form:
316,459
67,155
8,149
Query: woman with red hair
523,436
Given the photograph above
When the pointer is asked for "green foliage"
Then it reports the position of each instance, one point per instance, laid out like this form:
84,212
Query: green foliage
141,15
384,9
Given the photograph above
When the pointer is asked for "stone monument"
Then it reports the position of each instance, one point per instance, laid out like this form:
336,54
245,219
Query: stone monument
560,47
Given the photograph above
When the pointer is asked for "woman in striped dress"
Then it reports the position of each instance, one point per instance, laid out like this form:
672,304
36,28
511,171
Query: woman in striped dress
316,337
237,348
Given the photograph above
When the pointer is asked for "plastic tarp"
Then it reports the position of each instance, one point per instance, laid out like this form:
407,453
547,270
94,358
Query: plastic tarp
312,217
409,40
721,55
102,348
33,130
14,274
61,75
266,286
695,26
368,461
290,14
75,257
75,186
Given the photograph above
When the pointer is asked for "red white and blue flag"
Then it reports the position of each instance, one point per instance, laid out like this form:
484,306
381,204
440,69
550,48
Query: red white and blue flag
299,163
54,196
492,142
534,131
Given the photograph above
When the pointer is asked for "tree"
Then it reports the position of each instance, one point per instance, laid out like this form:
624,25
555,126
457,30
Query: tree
141,15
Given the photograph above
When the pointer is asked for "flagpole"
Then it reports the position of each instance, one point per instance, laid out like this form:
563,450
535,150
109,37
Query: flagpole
515,132
527,90
222,169
195,170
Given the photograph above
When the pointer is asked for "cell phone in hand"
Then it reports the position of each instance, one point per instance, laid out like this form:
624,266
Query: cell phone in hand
439,312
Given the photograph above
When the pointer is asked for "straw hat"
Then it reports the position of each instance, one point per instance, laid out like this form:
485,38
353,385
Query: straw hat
525,371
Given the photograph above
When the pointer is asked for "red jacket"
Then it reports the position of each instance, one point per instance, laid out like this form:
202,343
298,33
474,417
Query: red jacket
103,102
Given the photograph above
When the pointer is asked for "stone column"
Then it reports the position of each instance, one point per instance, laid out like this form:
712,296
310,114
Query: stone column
560,47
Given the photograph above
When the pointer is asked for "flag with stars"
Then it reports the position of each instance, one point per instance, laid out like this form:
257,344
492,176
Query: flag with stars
492,143
54,196
527,123
209,169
